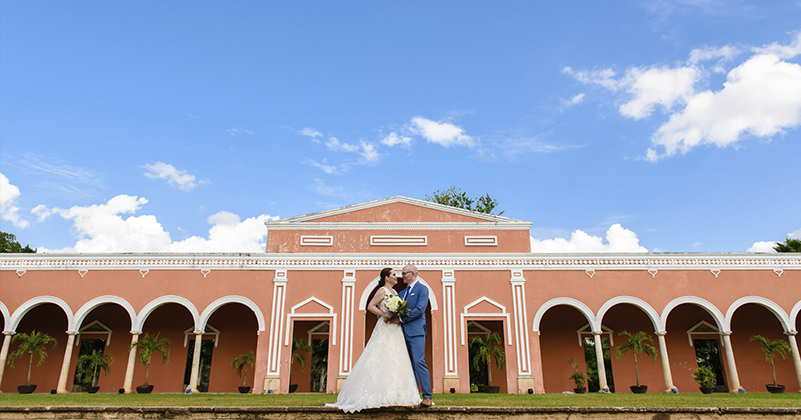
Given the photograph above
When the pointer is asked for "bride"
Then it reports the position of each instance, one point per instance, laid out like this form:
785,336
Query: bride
383,375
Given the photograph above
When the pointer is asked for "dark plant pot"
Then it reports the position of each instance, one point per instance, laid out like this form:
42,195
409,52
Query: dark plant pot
492,389
144,389
26,389
481,388
580,390
707,390
244,389
642,389
92,389
775,389
293,388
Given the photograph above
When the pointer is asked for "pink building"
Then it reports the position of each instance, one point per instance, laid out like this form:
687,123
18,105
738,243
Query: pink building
320,270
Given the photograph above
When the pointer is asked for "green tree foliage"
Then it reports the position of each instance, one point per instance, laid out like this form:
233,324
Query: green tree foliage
297,347
242,362
91,364
148,346
33,344
638,343
492,346
704,376
789,245
455,197
771,348
9,244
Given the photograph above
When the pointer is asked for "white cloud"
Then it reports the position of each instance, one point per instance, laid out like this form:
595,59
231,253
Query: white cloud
444,134
235,131
762,246
322,166
335,145
310,132
228,234
767,246
102,228
618,239
42,212
173,176
393,139
573,101
761,97
369,154
8,196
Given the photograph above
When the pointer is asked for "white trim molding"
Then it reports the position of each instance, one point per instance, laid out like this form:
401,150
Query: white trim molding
485,316
398,240
777,310
480,241
213,306
330,314
309,240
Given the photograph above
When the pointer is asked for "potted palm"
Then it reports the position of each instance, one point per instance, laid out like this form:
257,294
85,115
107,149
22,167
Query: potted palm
577,378
297,347
637,344
771,348
149,345
705,378
492,346
33,344
90,365
240,365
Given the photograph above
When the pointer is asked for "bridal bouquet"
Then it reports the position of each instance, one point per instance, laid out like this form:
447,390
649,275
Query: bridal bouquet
396,305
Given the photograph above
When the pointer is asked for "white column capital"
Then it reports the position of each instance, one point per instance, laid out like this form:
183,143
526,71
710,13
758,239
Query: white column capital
73,332
448,277
790,333
517,277
280,276
661,333
135,332
198,332
349,278
9,332
597,333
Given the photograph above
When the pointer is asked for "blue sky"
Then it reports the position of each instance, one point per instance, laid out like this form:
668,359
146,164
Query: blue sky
611,126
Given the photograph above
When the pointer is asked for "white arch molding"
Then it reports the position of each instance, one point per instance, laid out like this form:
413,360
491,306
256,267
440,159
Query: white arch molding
23,309
639,303
6,316
484,315
765,302
578,305
330,314
155,303
711,309
794,314
98,301
217,304
432,298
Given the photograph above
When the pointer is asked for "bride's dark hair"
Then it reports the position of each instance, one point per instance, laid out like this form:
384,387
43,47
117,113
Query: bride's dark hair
384,273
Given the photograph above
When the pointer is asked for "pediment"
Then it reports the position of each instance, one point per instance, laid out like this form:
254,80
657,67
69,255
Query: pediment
396,210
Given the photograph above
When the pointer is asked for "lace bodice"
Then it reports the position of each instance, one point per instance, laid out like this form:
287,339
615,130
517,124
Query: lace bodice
388,291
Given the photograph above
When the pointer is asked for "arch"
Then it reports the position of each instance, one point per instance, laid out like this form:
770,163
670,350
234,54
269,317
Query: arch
502,314
32,303
155,303
6,316
213,306
720,320
794,314
765,302
101,300
432,298
584,309
649,311
330,313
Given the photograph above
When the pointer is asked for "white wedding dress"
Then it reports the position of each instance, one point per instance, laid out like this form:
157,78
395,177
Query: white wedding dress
383,375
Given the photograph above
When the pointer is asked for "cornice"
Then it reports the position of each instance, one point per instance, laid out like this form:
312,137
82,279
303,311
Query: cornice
331,261
416,226
492,218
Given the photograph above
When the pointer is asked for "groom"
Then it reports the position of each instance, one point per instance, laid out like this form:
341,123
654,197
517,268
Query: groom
414,329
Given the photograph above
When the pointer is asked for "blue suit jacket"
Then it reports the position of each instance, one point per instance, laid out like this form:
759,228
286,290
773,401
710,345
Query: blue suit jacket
414,324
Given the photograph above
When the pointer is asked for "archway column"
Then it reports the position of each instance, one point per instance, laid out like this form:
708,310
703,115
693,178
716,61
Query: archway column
65,366
4,353
663,353
193,379
793,347
735,380
129,370
599,357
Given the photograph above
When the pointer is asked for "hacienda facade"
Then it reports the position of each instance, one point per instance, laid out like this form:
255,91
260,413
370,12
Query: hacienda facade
320,270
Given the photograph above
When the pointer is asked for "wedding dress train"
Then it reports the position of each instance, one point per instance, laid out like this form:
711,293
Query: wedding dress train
383,375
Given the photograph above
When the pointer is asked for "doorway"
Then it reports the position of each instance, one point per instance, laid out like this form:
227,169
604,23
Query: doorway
707,353
204,372
593,383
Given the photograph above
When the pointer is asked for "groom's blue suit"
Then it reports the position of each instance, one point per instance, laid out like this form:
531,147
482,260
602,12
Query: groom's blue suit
414,330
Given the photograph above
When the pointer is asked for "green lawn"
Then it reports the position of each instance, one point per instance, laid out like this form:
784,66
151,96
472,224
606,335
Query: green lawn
474,400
